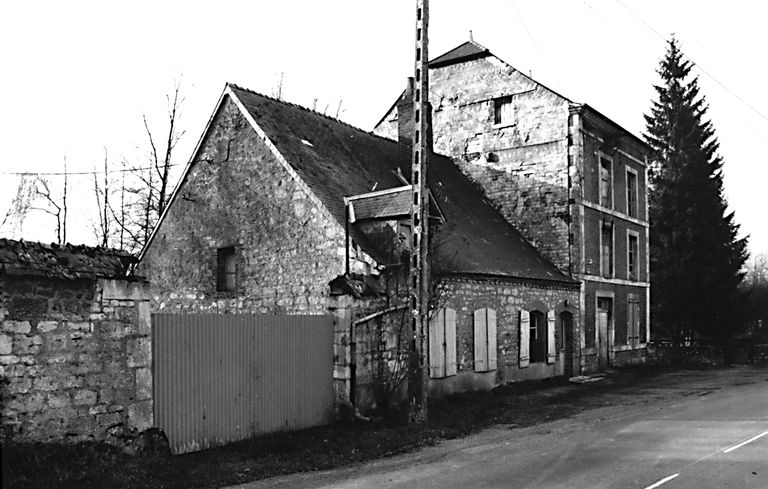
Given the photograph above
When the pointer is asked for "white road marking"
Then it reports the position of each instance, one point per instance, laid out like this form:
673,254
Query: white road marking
729,450
662,481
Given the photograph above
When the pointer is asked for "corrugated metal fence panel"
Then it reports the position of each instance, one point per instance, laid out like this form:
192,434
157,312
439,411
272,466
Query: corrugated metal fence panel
221,378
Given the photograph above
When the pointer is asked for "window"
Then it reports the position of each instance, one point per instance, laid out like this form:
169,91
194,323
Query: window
606,249
503,110
537,337
632,250
485,340
442,344
226,269
631,193
606,182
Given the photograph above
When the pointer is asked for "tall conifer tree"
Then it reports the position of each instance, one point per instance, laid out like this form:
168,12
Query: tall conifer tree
696,256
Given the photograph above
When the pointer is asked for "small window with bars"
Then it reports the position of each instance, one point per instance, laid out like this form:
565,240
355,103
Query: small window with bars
226,270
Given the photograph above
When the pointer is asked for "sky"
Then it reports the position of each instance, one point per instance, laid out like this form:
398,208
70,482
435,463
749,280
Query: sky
78,76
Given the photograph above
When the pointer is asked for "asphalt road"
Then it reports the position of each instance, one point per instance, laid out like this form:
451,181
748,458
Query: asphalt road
706,429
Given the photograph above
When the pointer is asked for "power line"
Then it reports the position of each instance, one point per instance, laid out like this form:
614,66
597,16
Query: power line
698,65
71,173
533,41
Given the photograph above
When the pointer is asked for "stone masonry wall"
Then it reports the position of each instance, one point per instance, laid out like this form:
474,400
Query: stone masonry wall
521,166
75,360
238,194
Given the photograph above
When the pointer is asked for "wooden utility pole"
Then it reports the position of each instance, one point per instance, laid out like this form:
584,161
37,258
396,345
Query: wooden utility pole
419,269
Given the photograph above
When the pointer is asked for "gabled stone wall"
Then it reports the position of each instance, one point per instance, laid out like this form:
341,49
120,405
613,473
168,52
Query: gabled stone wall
75,360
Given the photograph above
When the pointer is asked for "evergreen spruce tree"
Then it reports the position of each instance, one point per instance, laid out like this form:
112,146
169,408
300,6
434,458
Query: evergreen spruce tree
696,256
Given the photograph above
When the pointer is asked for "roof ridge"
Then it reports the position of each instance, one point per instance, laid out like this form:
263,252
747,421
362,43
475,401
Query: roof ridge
311,111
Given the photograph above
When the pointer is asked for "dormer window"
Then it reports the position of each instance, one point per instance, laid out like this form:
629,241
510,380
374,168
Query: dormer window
503,111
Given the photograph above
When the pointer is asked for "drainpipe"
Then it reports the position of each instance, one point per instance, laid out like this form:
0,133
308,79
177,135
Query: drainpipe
352,365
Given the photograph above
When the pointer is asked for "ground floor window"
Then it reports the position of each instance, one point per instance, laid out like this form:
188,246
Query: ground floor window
537,337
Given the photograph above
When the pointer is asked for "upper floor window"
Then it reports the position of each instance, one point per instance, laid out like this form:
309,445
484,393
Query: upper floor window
503,110
226,269
606,249
606,182
632,252
631,193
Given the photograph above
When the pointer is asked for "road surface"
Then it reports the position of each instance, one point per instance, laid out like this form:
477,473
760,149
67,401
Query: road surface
705,429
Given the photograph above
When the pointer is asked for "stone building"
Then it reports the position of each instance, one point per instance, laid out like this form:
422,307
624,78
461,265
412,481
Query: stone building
284,210
569,178
75,347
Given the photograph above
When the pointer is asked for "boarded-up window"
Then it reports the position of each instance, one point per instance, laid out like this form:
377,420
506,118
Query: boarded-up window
442,344
503,111
485,340
226,270
606,182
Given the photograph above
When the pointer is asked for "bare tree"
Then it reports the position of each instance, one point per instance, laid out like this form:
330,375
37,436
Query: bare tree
52,206
101,192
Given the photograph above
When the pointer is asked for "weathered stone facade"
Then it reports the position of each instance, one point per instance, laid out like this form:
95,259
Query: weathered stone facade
238,194
75,359
541,168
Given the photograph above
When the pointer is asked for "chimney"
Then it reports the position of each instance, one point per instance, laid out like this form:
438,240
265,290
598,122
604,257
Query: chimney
405,128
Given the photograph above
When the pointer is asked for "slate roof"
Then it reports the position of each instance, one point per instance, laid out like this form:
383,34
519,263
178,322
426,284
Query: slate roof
341,161
70,262
391,204
464,52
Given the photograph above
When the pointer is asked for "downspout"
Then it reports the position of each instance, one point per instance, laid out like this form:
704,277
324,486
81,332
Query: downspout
352,332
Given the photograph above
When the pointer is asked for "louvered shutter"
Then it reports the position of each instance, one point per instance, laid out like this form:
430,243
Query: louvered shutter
437,346
525,332
481,341
551,337
491,318
450,341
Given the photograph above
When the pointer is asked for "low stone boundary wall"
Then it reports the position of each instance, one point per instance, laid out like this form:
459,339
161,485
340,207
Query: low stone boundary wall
75,359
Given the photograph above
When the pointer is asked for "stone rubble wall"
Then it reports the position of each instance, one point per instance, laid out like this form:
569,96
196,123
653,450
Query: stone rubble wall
75,360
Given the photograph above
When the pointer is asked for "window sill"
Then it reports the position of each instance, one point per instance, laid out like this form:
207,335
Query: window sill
503,125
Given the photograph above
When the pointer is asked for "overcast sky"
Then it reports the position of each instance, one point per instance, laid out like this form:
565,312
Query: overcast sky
77,76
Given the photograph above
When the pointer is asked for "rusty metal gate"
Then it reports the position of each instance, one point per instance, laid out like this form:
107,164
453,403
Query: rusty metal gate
221,378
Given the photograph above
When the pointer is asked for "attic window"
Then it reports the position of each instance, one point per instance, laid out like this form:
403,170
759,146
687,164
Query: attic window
503,111
307,142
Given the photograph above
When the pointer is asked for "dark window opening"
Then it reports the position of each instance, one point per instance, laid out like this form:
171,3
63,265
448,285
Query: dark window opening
537,338
226,270
631,194
503,111
606,249
632,248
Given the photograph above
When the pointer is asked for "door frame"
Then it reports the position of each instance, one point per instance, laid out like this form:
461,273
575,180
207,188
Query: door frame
605,348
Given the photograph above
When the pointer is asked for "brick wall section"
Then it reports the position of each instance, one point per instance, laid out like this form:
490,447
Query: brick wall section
238,194
522,166
75,359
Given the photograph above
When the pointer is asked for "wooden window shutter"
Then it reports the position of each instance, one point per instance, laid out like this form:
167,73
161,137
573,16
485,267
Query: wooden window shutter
491,321
437,346
525,332
551,337
450,341
481,341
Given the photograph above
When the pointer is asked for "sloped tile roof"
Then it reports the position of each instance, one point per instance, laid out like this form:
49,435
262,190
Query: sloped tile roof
464,52
21,258
337,160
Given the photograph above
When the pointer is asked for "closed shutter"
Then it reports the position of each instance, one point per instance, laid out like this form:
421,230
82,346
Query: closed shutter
551,337
437,346
491,339
525,324
450,341
481,341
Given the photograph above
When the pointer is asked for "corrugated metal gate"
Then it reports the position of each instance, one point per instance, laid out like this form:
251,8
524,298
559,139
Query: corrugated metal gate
220,378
